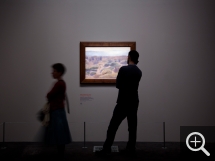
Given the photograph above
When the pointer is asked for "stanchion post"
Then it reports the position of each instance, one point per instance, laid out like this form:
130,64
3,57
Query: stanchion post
164,147
84,136
3,146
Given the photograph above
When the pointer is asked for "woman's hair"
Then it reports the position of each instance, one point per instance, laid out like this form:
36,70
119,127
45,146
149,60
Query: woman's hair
59,67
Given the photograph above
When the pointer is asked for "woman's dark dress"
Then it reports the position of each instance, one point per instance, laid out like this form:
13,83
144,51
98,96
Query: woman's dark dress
57,132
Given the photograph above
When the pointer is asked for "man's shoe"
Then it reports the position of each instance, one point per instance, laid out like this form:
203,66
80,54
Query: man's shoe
128,153
103,153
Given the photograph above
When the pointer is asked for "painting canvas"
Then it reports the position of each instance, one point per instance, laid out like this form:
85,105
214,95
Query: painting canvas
100,61
104,62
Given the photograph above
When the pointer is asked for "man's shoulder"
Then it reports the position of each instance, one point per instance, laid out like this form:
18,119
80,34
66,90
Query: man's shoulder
130,67
123,67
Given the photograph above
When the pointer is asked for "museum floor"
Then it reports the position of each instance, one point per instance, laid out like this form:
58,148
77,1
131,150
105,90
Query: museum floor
146,151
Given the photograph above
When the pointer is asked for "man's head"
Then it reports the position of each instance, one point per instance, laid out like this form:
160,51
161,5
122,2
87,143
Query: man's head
133,55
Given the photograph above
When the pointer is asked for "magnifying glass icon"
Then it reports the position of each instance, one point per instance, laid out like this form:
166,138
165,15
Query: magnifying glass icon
201,147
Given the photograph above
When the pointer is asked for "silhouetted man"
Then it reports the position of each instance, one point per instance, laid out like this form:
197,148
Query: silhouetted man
127,82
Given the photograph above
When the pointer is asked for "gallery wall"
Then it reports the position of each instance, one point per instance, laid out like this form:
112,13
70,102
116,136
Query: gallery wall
175,39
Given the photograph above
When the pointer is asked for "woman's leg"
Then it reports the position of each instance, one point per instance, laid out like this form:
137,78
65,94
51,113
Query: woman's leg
61,149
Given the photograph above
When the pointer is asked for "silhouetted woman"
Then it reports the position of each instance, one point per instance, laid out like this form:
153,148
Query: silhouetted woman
57,132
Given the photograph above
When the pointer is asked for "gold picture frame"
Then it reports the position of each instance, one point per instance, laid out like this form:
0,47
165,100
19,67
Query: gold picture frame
100,61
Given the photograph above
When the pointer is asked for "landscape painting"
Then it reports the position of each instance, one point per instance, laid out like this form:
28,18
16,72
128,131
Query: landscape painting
100,62
104,62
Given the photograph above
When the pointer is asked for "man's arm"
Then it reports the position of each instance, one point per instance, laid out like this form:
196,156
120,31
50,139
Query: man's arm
119,78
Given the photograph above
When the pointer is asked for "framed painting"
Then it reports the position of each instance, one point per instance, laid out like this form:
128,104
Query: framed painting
100,61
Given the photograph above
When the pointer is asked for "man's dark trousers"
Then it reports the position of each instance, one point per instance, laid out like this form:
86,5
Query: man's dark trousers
121,111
